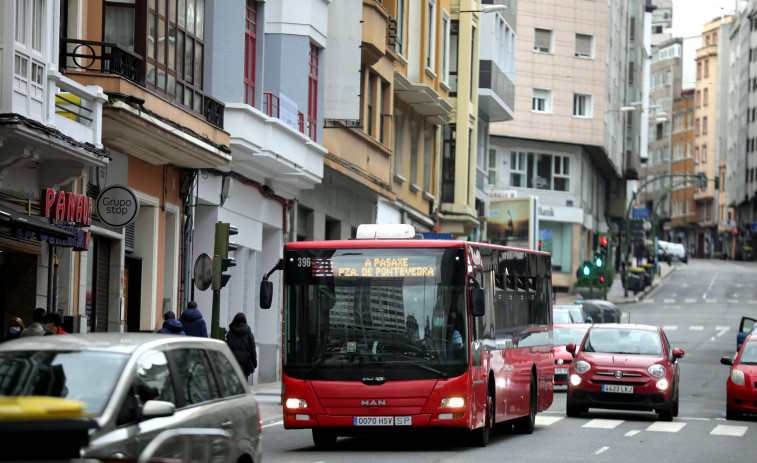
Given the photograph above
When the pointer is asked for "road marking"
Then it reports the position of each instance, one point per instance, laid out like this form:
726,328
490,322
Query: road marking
727,430
547,420
602,423
696,328
722,330
632,433
275,423
711,301
602,450
661,426
732,301
689,301
649,301
670,327
668,301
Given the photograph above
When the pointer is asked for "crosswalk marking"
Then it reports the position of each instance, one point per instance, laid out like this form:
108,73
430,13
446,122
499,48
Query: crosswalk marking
670,327
689,301
547,420
696,328
728,430
668,301
632,433
661,426
603,424
712,301
732,301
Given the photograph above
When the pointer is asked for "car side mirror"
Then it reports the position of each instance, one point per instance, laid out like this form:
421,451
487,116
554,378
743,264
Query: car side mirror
677,353
266,294
726,360
571,348
157,408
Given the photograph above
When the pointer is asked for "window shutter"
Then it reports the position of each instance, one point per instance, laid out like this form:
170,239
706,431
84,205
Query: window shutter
542,40
583,45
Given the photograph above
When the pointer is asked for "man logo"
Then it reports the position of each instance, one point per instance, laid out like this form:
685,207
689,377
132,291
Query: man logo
372,403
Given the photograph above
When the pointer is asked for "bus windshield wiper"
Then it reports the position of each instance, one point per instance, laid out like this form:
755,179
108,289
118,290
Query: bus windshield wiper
417,364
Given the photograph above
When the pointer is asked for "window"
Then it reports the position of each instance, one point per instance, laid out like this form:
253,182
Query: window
313,93
517,169
542,40
153,381
445,47
541,100
250,42
399,132
706,96
492,177
699,70
584,46
696,127
427,161
562,173
659,131
696,155
227,377
704,153
704,125
369,105
413,153
453,43
38,23
384,100
582,105
400,39
699,98
21,21
706,68
196,377
431,34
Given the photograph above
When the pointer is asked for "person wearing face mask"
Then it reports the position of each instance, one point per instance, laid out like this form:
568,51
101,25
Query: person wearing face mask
15,327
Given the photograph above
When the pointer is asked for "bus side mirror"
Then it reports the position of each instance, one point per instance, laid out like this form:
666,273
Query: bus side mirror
266,294
477,308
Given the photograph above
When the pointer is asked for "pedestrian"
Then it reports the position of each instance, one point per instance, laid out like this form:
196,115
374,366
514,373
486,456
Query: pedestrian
242,344
37,327
171,325
192,321
15,327
52,324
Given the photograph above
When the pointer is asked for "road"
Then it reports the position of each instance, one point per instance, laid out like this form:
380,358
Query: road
699,306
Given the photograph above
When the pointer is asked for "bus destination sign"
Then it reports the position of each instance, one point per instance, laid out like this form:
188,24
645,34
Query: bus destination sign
349,266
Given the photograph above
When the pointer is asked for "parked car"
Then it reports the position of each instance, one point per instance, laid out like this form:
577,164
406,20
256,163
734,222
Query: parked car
746,326
740,389
672,252
626,367
577,314
564,334
136,385
601,311
561,314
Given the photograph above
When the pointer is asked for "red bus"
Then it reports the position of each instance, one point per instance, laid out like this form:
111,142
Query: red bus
390,333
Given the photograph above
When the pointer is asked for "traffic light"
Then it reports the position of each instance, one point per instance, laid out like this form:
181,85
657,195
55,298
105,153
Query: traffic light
598,261
584,270
717,182
221,260
701,180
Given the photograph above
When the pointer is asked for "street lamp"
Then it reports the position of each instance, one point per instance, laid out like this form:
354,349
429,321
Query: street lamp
484,9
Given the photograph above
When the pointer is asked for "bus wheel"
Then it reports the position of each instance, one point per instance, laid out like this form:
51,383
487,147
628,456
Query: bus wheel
480,437
324,439
526,424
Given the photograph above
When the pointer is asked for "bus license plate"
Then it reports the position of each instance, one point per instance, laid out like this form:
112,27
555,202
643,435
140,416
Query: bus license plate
383,421
617,388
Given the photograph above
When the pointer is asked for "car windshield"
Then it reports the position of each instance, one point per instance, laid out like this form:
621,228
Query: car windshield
623,341
749,354
565,336
88,377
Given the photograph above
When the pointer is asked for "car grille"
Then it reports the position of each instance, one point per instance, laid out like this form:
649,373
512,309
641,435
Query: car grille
564,362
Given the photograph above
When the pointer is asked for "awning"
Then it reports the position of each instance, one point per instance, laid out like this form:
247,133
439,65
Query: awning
13,218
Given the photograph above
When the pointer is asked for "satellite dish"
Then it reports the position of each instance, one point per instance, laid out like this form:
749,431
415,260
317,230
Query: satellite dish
203,272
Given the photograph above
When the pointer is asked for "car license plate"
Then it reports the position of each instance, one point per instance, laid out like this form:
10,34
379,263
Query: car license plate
617,388
383,421
561,371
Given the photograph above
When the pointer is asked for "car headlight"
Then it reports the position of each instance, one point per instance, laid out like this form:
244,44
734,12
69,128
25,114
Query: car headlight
662,384
582,366
737,377
296,403
658,371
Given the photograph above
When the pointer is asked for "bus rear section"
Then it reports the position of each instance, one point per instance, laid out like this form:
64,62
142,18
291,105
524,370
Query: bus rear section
389,335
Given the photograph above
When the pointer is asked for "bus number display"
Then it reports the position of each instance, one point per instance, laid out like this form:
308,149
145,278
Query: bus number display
373,267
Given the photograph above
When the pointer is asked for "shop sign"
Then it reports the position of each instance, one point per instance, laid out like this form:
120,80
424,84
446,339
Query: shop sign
117,206
69,207
79,242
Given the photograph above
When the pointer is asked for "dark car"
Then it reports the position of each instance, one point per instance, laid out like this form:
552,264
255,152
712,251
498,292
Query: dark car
626,367
601,311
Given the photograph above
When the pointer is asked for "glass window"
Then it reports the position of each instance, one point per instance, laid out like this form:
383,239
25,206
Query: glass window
431,37
541,100
38,23
562,173
413,152
517,169
582,105
227,376
197,381
21,21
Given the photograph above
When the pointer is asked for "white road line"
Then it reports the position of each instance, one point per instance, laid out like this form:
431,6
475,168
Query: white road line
602,423
275,423
670,327
696,328
689,301
668,301
547,420
732,301
727,430
661,426
711,301
632,433
602,450
649,301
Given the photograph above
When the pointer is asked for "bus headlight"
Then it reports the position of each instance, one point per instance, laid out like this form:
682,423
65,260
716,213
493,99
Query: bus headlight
296,403
453,402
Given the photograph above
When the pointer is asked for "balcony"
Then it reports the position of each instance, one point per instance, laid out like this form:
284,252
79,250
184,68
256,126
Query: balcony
86,56
496,92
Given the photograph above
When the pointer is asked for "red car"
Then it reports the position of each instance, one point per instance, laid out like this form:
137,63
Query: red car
564,334
624,366
741,394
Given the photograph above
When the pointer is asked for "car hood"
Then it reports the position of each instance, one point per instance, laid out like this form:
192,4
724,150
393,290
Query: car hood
620,360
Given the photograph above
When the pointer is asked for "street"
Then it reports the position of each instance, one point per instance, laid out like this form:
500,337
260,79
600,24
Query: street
699,305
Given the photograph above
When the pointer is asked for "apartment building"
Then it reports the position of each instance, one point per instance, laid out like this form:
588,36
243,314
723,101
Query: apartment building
571,144
683,219
51,149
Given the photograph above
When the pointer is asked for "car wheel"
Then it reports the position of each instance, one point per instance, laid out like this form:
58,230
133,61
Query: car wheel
675,403
526,424
573,410
480,436
666,414
324,439
731,414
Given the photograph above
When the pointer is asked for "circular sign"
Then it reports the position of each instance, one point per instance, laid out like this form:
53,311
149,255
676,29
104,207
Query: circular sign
203,272
117,206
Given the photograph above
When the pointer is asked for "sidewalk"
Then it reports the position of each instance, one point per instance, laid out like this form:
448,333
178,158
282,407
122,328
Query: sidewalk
268,395
616,293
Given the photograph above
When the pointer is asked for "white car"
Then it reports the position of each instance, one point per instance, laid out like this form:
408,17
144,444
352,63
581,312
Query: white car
672,251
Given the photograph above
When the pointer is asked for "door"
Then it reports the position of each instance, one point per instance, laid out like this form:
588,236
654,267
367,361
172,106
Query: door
745,327
132,293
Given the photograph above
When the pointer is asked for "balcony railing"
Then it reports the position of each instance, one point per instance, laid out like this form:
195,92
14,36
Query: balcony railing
392,41
272,108
492,77
112,58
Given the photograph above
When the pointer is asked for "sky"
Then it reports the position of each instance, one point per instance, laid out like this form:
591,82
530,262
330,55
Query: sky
690,15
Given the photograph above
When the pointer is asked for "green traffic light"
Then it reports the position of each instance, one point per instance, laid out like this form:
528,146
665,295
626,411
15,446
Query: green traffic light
586,270
598,262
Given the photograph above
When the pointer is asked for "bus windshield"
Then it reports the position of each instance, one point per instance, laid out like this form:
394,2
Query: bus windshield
397,313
